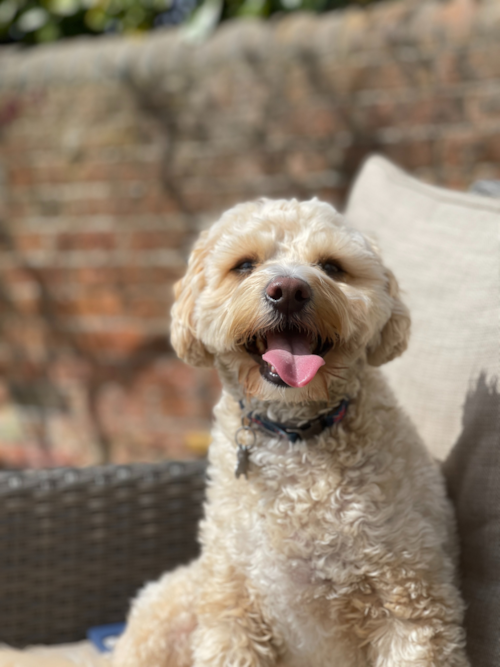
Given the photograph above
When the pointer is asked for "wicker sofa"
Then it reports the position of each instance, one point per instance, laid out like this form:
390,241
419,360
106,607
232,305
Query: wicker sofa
76,544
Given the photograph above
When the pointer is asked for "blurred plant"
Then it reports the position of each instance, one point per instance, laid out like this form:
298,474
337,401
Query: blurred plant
264,8
35,21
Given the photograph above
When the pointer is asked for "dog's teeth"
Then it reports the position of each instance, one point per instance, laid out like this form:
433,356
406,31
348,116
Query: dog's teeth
273,370
260,345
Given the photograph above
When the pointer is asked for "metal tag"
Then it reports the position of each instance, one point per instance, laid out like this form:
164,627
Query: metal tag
245,439
242,461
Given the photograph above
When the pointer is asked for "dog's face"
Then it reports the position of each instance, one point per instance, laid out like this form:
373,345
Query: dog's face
283,296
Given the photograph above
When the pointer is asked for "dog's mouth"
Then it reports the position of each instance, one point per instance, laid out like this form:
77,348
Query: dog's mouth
289,356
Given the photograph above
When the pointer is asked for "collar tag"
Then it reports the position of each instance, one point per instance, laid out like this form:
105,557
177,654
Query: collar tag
245,438
242,461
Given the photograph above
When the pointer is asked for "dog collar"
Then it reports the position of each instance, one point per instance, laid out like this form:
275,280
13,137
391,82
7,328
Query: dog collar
252,421
295,433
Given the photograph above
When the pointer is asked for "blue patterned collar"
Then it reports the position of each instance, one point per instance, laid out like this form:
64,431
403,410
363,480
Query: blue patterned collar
295,433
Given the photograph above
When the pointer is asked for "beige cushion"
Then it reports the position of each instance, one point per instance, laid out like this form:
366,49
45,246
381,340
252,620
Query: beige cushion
443,247
79,654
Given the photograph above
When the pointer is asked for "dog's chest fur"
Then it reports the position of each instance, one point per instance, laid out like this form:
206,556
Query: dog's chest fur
317,525
306,557
313,538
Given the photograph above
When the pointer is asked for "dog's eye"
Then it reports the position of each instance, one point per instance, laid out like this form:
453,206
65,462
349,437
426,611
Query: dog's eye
332,268
245,266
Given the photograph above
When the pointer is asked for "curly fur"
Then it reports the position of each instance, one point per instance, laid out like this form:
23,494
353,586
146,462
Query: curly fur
339,551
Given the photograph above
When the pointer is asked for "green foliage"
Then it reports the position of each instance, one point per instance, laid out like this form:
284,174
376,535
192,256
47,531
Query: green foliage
36,21
265,8
32,21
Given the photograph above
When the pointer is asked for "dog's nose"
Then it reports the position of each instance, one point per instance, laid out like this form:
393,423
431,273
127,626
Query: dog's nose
288,295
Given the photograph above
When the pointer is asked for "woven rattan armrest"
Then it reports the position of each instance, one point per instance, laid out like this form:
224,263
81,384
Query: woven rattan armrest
75,545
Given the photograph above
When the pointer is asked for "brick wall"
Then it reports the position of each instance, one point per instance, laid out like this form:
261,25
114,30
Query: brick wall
115,152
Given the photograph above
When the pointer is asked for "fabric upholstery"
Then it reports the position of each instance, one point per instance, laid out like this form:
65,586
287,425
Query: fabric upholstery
473,474
444,249
79,654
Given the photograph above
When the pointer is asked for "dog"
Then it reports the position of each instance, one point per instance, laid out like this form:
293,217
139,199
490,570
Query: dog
328,539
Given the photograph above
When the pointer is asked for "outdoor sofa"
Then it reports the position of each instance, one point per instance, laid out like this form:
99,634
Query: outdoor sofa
75,545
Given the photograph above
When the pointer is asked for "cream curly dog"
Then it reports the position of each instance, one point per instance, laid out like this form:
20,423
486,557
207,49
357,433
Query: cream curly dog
334,546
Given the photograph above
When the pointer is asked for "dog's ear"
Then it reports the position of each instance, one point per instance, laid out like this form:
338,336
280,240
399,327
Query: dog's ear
183,333
393,339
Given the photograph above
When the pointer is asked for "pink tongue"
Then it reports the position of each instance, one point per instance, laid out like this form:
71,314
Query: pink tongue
289,354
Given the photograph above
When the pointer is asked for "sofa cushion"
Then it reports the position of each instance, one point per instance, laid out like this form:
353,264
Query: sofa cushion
443,247
79,654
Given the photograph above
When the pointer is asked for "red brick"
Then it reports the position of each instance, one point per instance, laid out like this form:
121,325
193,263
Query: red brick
16,275
154,239
145,308
107,302
86,241
110,344
483,107
300,163
155,204
26,242
435,110
315,122
457,149
410,154
82,172
488,148
483,62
